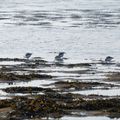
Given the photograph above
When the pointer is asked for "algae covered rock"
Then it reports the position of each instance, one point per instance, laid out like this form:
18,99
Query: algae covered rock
38,106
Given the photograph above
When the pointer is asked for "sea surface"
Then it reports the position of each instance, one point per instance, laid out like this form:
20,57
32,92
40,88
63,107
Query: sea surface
86,30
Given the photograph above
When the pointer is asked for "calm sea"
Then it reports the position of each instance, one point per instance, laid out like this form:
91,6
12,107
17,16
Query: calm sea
84,29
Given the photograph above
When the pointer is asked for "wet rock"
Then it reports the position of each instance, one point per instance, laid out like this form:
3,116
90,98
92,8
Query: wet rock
74,65
35,59
66,85
113,76
57,101
12,76
27,90
4,103
41,106
57,105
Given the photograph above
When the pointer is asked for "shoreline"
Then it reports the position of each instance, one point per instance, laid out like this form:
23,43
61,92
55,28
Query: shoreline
56,98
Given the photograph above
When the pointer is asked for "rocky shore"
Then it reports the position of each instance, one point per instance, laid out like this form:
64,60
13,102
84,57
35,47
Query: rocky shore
56,99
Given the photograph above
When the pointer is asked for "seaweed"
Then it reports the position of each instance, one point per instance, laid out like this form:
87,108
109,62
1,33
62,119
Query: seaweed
13,76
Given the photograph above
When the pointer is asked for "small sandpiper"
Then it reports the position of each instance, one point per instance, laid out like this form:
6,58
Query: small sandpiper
28,55
59,57
108,59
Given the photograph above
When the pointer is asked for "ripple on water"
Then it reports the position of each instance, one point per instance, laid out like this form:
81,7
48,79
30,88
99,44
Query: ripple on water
108,92
33,83
87,118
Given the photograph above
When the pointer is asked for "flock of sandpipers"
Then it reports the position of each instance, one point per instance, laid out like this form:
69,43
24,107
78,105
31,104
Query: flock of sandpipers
60,57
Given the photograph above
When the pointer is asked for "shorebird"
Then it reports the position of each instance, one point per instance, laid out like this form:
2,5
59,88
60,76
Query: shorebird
28,55
59,57
108,59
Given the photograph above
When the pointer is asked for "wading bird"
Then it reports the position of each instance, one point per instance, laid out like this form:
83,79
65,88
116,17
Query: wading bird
59,57
108,59
28,55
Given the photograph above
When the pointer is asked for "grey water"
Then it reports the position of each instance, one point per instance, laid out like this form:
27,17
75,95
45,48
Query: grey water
84,29
88,118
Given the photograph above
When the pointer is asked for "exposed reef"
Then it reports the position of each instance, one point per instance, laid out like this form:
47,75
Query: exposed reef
59,96
55,107
12,76
113,76
76,85
27,90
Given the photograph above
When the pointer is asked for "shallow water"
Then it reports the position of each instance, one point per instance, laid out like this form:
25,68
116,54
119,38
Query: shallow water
81,28
108,92
33,83
10,63
80,74
87,30
88,118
